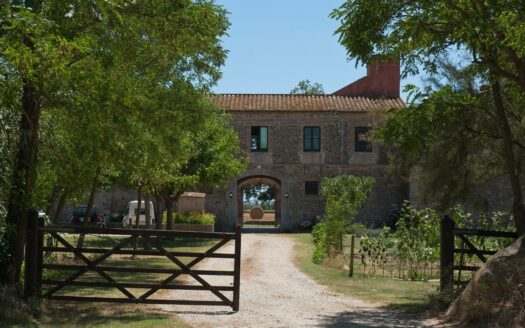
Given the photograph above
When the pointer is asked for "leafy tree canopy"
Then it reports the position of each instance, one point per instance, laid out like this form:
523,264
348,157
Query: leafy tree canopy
104,89
490,36
305,87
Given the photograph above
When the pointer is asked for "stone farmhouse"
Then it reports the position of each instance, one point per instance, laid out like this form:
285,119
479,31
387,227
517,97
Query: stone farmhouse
294,141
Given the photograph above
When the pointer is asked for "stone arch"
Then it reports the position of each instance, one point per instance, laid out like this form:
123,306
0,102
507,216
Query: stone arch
256,180
233,204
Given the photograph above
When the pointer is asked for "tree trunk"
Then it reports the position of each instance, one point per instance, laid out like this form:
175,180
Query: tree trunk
169,212
60,206
91,200
51,200
89,207
147,207
518,208
158,211
112,199
22,183
139,205
137,217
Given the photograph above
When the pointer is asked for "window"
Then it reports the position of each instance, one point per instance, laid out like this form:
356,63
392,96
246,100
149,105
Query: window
259,139
142,211
311,188
312,138
362,139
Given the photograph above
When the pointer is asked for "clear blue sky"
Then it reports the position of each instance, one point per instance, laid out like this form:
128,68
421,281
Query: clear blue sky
275,44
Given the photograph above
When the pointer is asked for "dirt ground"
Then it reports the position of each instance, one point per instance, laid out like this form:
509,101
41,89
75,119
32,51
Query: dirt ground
274,293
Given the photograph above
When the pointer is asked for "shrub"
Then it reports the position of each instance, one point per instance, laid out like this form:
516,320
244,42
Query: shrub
5,255
192,217
319,237
344,196
356,229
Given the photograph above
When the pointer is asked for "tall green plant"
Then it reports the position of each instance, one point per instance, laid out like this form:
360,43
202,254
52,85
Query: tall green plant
418,239
344,196
374,250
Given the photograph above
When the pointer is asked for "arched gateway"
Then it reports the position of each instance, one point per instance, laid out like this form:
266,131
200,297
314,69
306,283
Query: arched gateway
258,180
279,181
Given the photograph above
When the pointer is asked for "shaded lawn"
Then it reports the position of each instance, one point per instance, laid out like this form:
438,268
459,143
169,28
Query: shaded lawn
411,296
62,314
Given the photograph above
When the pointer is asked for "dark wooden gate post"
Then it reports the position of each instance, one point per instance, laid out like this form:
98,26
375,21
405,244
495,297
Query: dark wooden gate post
40,256
446,281
33,256
237,269
351,264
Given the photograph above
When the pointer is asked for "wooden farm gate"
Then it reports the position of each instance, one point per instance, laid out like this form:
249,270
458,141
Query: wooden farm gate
450,263
35,266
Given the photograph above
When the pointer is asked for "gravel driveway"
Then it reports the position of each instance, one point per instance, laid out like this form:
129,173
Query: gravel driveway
274,293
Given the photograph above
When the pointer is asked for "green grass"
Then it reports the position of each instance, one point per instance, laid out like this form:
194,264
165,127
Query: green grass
411,296
61,314
80,314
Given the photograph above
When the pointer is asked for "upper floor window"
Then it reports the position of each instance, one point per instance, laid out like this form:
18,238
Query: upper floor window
312,138
259,138
362,139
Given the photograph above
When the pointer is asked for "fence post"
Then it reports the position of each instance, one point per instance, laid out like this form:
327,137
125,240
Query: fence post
446,280
351,269
31,254
237,269
40,256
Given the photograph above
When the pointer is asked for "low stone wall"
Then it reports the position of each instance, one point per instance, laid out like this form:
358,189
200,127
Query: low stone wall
193,227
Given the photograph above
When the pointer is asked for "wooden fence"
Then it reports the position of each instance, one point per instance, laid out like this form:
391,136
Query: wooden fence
448,265
35,266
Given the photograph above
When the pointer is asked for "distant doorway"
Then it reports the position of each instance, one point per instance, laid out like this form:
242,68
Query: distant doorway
259,202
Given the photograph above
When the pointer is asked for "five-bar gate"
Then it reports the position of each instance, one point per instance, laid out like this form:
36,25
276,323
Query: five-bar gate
94,263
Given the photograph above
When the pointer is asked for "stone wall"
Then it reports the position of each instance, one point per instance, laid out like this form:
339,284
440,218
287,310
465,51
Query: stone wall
494,195
286,161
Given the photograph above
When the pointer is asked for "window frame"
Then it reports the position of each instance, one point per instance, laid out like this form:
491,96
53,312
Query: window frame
360,146
306,189
311,139
258,142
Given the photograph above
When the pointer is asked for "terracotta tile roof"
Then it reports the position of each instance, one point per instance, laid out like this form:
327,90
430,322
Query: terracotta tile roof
288,102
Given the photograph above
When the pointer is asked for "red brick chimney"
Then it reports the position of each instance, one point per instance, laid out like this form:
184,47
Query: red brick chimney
381,81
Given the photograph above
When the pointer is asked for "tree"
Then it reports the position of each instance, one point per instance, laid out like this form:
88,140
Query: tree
305,87
450,132
344,196
51,49
262,193
418,32
214,157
